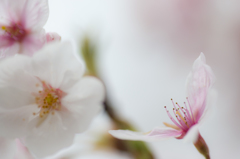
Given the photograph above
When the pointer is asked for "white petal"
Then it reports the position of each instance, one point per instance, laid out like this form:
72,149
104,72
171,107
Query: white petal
192,134
48,137
84,101
56,63
7,148
199,82
157,134
13,123
16,85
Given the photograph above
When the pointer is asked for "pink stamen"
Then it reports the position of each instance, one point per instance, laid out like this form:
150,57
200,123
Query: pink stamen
185,115
181,110
173,104
169,115
180,121
190,109
188,113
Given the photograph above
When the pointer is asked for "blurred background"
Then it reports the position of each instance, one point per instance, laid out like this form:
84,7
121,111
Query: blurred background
145,50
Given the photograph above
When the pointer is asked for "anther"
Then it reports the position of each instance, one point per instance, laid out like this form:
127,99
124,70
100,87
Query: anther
164,106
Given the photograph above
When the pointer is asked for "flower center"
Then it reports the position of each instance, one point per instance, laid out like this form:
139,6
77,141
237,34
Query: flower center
15,32
184,117
48,100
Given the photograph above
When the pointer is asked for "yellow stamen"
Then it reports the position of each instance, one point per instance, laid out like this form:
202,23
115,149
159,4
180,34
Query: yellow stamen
179,114
171,126
4,28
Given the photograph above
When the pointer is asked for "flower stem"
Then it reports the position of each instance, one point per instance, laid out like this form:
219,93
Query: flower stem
138,149
202,147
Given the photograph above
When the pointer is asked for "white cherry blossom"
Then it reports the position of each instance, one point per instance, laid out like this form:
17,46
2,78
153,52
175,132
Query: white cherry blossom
45,100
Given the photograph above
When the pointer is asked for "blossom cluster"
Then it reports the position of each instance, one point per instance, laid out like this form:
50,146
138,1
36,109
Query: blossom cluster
45,99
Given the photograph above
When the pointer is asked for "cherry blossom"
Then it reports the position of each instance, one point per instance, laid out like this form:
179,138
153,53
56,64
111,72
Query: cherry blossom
21,26
45,100
186,119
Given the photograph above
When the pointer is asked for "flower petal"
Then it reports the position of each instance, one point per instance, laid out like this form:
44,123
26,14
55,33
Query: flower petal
35,14
52,36
9,49
211,101
199,81
11,10
56,62
33,42
22,151
16,85
13,123
155,135
84,101
7,148
48,137
192,134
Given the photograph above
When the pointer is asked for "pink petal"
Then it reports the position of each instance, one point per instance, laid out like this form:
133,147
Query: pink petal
5,41
11,10
8,51
155,135
35,14
22,151
199,82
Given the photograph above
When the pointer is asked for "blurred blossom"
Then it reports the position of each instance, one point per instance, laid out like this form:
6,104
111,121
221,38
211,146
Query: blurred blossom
52,36
86,145
21,26
52,101
182,23
200,80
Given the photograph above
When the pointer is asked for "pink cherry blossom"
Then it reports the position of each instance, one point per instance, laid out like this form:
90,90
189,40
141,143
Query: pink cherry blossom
21,26
185,118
